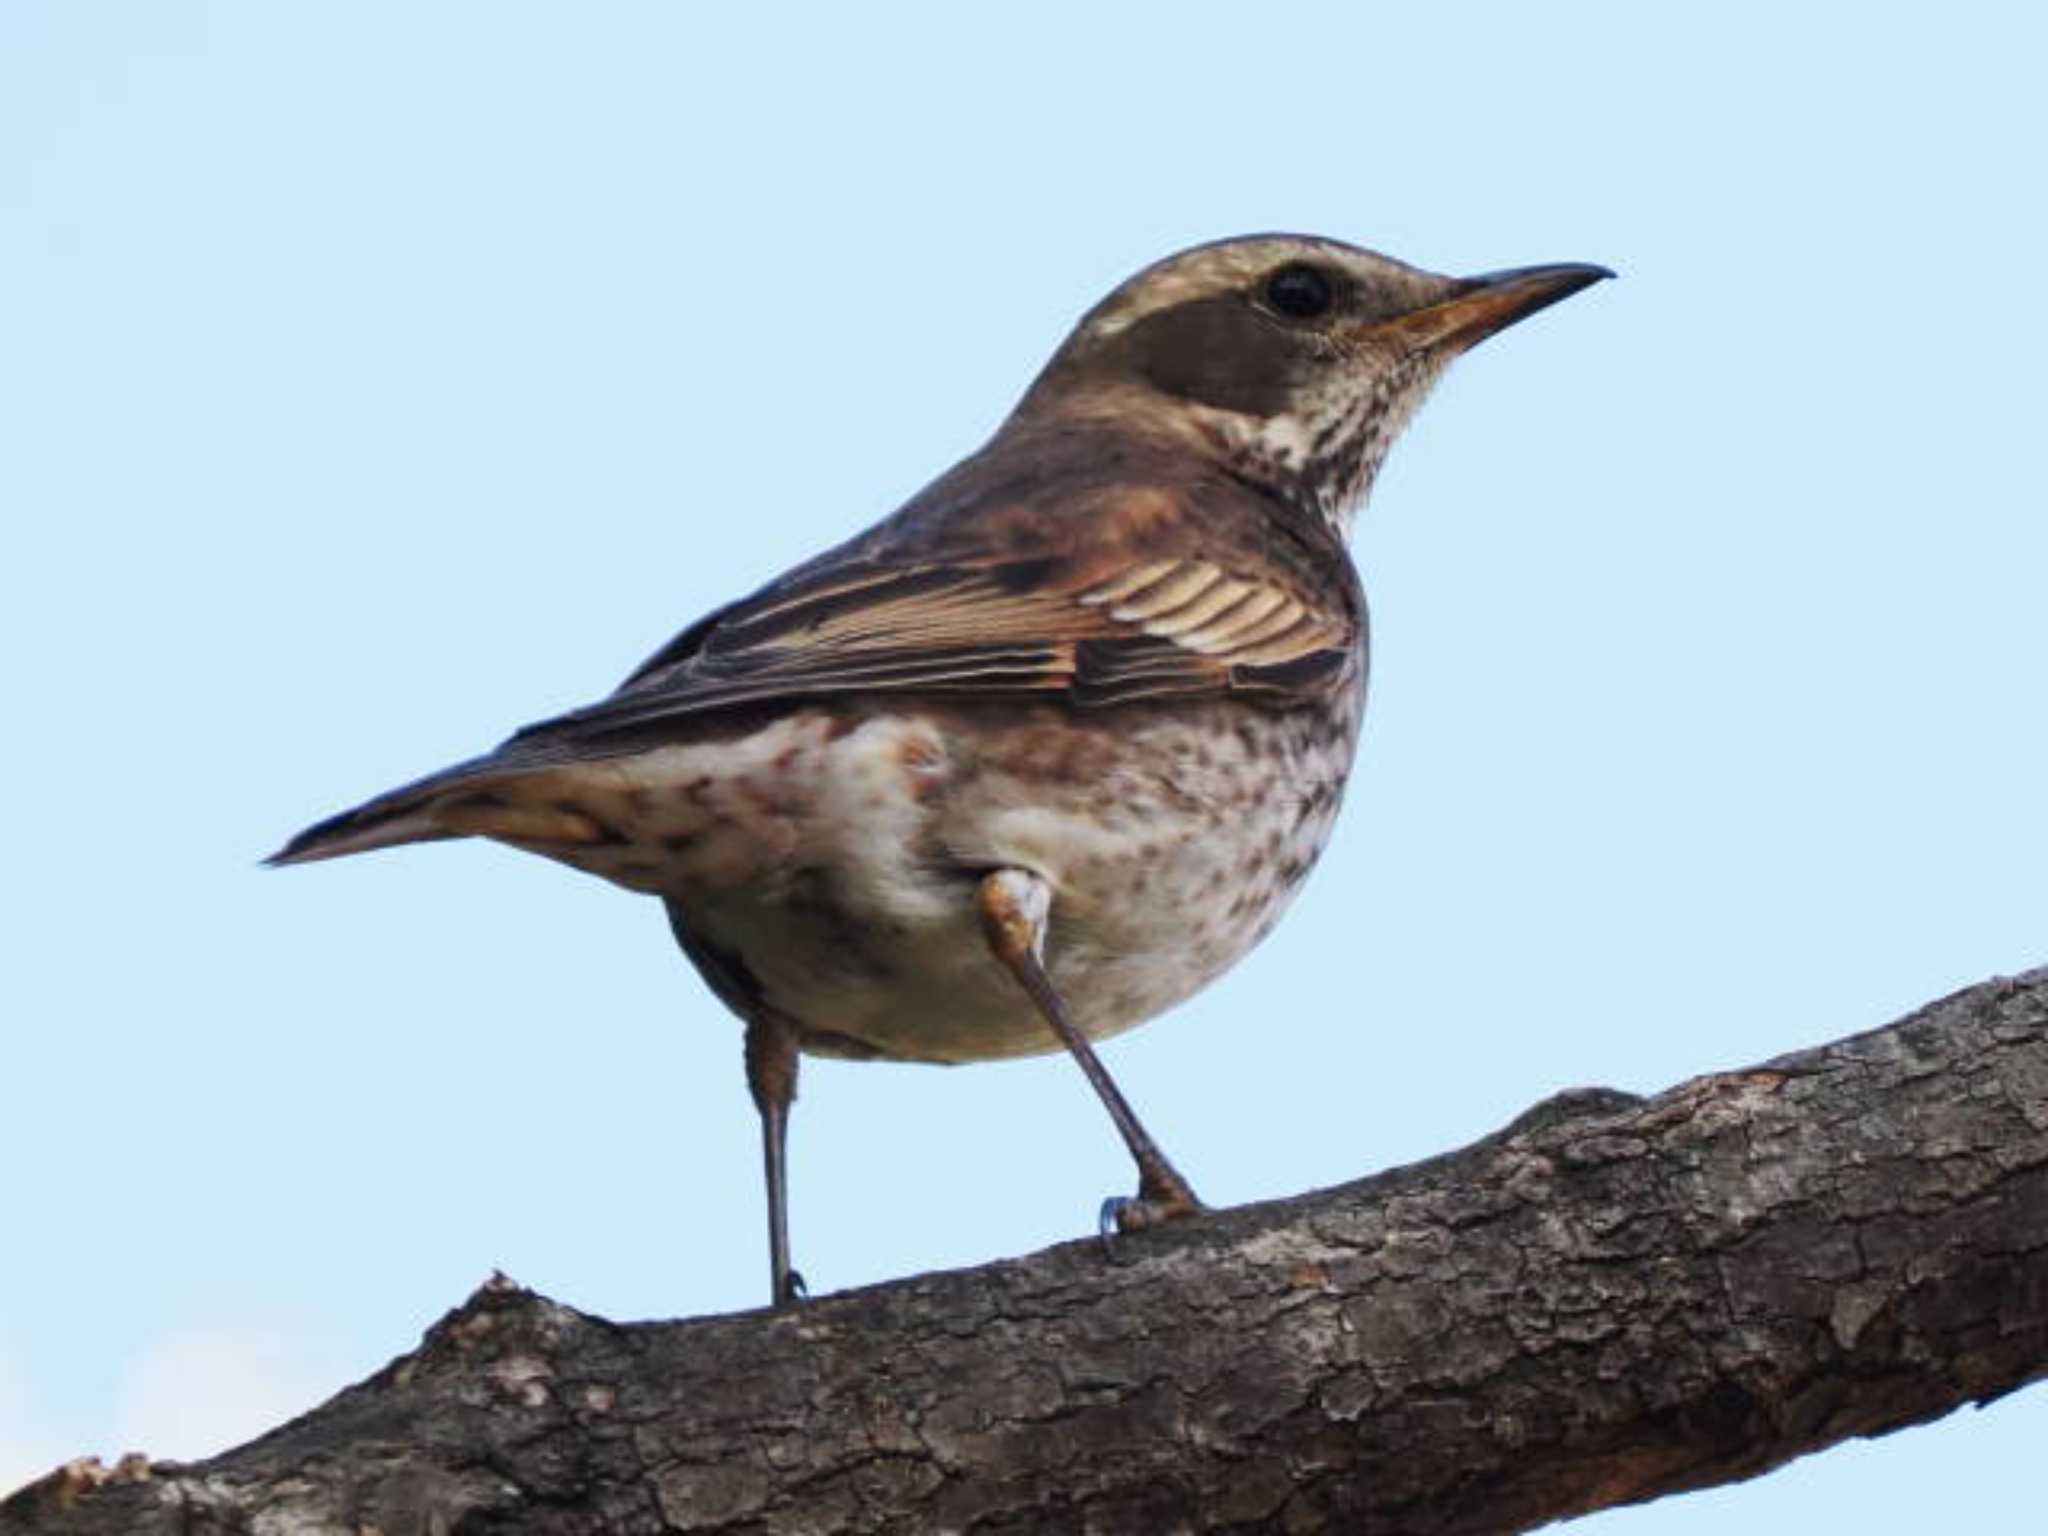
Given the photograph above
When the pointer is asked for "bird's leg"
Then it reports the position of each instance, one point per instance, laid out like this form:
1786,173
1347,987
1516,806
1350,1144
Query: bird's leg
771,1074
1014,906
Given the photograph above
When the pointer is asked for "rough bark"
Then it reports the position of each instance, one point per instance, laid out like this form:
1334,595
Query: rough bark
1612,1299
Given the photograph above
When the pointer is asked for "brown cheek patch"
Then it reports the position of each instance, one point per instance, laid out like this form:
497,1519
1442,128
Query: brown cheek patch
1219,352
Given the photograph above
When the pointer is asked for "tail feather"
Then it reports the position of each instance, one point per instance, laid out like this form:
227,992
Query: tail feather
426,810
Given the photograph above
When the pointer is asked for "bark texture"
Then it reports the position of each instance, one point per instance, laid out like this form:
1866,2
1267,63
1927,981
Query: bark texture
1612,1299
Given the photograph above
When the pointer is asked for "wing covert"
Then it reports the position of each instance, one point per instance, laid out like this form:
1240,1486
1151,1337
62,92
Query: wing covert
1153,602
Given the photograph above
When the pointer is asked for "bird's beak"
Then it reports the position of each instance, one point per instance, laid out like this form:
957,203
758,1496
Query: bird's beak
1493,301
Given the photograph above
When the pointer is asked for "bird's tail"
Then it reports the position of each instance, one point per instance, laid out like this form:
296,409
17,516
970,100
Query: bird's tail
479,798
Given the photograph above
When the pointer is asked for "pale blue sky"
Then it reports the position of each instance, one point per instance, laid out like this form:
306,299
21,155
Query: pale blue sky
376,378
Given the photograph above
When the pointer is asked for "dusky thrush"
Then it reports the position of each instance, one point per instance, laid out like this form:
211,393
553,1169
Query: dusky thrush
1049,749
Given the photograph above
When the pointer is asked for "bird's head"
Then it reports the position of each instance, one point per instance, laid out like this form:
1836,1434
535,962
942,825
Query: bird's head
1295,360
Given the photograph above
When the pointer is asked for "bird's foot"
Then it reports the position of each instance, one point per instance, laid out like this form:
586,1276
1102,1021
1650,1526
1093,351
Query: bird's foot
1159,1199
792,1290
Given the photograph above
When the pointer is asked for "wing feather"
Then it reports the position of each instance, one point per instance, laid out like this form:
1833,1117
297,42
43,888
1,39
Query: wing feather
1145,596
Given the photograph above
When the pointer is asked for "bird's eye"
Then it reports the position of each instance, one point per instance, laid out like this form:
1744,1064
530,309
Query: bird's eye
1299,291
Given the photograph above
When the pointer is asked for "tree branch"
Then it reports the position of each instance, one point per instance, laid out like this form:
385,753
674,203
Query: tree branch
1610,1300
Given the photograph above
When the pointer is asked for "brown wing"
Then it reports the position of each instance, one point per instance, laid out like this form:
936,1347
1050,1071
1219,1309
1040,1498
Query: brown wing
1096,594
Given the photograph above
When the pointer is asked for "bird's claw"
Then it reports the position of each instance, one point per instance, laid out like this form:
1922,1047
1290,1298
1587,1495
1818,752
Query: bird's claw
1133,1213
1109,1220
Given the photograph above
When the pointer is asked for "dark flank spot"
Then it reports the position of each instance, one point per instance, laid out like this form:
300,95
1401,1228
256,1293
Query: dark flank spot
1311,802
697,788
764,798
786,759
1292,871
639,801
1241,904
1255,864
1248,739
1184,799
680,842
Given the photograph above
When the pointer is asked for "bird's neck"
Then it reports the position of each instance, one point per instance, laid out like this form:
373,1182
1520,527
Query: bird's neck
1318,459
1322,457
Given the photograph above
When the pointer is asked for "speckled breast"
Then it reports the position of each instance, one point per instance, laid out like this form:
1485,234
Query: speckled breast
824,863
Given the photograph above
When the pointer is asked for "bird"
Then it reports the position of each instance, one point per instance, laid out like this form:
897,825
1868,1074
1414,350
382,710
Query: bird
1047,750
